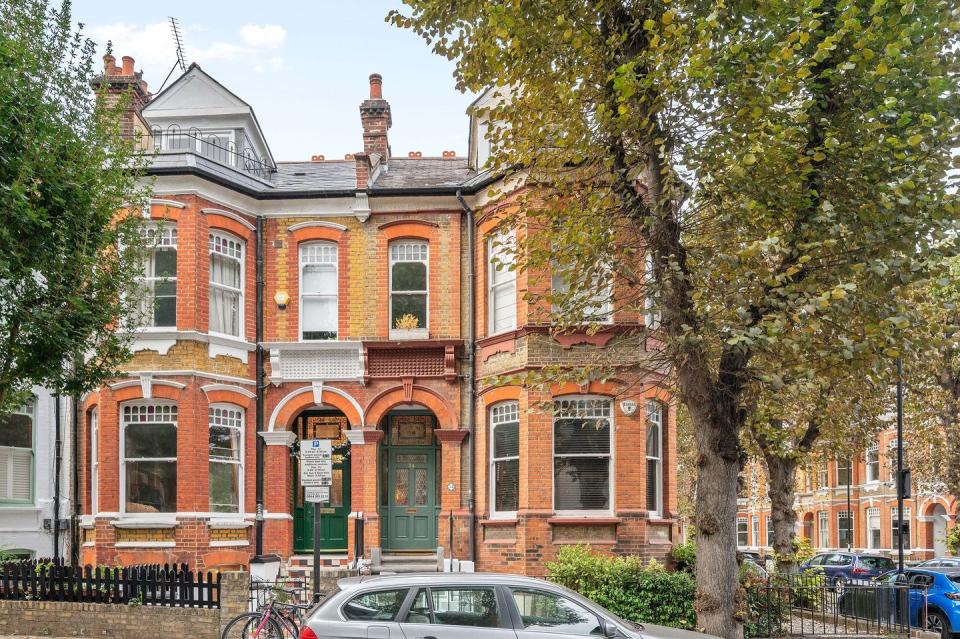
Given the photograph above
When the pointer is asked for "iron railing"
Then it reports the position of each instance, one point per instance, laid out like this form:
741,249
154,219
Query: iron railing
806,606
285,590
219,146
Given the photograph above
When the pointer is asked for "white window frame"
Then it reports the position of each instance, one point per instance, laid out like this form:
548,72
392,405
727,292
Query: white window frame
874,514
842,523
651,317
745,533
823,475
848,464
123,452
560,284
823,520
892,457
873,450
305,247
29,409
160,235
495,251
241,414
242,249
507,412
908,542
655,412
94,423
768,523
611,455
755,530
421,332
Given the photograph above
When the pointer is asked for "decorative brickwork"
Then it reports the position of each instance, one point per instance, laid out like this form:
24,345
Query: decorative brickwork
144,534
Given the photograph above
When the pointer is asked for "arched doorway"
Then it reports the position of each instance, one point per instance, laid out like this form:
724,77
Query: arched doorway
323,424
938,521
409,480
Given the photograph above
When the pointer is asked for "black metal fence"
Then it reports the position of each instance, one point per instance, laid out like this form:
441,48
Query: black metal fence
148,585
806,606
220,146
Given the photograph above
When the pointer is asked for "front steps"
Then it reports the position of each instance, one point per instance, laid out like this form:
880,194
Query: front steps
401,563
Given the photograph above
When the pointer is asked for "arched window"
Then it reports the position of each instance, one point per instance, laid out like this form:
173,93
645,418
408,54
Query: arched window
504,458
226,284
409,282
93,420
148,457
318,291
17,444
226,458
159,280
873,462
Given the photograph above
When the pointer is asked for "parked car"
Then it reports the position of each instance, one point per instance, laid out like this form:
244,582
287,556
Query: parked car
942,562
840,568
467,606
940,587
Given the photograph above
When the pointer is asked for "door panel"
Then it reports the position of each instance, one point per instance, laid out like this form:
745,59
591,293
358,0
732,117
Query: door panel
411,521
333,520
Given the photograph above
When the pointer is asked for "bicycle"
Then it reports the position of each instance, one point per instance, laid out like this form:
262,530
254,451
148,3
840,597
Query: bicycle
275,620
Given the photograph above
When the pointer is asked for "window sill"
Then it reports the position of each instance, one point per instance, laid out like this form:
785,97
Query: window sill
18,506
149,521
229,524
496,521
229,544
409,334
584,520
145,544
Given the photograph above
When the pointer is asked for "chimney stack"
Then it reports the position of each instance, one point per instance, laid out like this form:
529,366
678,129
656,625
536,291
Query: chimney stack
375,117
118,81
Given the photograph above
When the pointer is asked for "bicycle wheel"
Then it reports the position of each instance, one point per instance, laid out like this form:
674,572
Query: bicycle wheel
252,625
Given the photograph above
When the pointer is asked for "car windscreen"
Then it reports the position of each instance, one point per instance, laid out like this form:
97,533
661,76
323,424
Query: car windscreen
877,563
955,578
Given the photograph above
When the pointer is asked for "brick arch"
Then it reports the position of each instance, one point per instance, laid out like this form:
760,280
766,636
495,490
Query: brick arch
224,394
931,503
593,388
399,396
224,223
302,398
316,234
496,394
399,229
91,400
159,391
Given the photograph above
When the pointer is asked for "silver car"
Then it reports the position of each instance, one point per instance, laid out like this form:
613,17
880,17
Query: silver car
467,606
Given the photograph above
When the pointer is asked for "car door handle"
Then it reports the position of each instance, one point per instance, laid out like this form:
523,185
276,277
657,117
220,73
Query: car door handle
427,637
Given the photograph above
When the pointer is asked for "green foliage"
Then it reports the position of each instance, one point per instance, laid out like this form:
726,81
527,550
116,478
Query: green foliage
685,555
953,540
626,586
68,265
802,549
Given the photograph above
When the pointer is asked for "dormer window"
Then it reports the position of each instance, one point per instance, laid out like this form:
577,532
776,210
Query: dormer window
217,144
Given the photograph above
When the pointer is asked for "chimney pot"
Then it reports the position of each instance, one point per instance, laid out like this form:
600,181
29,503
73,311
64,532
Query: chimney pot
449,155
109,64
127,65
348,156
316,158
376,86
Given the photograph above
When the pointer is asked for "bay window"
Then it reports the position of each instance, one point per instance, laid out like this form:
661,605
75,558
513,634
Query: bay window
226,458
318,291
582,432
17,455
504,458
502,284
158,307
844,529
743,534
408,286
592,305
226,284
655,458
844,472
873,528
823,529
149,458
755,525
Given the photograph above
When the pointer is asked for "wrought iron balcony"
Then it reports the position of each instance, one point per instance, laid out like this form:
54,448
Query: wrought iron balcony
228,147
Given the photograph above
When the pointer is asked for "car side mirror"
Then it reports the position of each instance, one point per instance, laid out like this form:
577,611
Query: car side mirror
610,630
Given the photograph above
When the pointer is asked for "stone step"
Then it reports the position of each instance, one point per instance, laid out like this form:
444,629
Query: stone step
409,559
404,568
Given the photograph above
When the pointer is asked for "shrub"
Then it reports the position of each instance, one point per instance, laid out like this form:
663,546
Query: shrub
627,587
685,555
953,539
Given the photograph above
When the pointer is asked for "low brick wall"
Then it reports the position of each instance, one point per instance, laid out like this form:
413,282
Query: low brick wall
67,619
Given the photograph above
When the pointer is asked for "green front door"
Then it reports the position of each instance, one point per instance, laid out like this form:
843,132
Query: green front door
412,498
333,513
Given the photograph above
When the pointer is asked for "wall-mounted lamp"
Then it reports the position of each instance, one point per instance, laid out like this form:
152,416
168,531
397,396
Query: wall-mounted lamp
281,298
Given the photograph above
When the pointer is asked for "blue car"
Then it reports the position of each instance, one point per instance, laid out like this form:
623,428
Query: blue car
840,568
942,586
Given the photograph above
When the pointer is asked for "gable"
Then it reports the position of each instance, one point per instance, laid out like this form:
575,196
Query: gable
195,92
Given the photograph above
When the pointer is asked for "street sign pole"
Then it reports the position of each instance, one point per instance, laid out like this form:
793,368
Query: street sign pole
899,482
316,475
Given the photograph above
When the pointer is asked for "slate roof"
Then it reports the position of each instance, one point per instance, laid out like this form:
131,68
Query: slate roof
424,173
307,176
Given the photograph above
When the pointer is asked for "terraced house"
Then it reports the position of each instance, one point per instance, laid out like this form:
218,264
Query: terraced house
366,296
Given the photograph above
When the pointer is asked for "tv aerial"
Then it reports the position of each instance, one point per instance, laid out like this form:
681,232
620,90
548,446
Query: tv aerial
178,46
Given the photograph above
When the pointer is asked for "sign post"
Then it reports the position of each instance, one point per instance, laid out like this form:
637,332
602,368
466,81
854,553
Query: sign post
316,475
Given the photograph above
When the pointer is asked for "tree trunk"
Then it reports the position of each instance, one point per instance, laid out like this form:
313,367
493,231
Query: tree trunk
720,604
781,486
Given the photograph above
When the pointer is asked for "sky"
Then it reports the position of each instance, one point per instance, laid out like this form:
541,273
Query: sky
302,65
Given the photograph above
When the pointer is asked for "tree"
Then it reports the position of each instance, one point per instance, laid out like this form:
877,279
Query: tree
784,164
67,262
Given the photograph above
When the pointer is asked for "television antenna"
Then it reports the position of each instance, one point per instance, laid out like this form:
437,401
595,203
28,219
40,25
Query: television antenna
178,44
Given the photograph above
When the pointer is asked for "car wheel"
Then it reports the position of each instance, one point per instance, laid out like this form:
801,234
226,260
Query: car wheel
937,623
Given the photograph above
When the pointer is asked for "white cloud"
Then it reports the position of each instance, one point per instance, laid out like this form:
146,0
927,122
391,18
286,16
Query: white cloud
266,36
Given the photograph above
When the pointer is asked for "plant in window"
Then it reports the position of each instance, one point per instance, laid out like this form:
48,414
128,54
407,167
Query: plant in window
407,321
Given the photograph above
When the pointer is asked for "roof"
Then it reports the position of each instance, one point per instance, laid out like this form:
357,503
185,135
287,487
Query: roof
407,173
337,175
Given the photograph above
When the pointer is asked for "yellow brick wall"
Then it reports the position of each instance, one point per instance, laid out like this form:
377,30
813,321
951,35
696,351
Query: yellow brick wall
145,534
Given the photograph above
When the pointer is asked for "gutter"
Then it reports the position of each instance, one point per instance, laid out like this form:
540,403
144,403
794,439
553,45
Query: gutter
259,379
75,471
57,465
470,375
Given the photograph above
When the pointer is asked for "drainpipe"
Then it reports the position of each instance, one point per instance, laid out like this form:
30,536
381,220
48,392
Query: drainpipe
259,377
471,373
75,472
57,463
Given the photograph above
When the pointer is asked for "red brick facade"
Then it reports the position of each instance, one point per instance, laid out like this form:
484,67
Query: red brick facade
190,368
